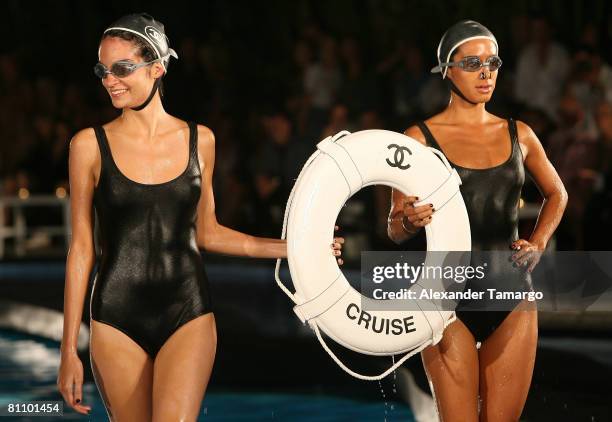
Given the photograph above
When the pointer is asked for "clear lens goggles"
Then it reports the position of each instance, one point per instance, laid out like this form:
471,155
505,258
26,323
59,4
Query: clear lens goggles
473,63
120,69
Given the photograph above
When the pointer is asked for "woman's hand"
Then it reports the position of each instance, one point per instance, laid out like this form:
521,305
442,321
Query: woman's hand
337,246
416,217
529,253
70,382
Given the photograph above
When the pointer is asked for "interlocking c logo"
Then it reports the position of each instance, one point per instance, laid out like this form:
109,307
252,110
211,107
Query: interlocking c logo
398,157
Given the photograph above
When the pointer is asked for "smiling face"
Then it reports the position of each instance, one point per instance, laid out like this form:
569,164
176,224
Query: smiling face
134,89
470,84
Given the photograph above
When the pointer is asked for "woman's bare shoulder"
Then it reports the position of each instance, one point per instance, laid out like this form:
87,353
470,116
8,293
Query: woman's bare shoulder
525,132
206,146
86,135
206,139
84,143
415,133
205,133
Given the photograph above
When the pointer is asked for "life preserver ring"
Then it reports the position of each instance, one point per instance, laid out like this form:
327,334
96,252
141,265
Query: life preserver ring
340,167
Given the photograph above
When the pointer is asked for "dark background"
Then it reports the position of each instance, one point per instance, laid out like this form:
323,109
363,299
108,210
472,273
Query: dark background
248,71
243,70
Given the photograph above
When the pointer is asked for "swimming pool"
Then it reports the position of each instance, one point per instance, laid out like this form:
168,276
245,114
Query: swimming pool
28,371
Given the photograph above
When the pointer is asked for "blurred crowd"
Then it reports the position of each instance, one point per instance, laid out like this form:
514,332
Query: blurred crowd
316,84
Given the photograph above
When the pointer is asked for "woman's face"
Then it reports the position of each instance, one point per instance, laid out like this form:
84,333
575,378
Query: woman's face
470,83
134,89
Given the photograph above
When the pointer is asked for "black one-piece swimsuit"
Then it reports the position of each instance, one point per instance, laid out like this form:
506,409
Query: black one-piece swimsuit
491,197
151,279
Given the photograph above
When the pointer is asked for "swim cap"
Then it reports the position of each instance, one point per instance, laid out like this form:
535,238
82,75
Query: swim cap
456,35
150,30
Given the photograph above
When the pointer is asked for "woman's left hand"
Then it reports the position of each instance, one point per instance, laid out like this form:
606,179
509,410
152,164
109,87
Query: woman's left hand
528,254
337,247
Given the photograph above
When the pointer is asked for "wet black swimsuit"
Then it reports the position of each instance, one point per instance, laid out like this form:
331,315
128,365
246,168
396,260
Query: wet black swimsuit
151,279
491,197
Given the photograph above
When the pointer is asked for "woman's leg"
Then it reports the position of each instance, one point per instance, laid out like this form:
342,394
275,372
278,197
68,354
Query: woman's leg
123,372
507,358
182,370
452,369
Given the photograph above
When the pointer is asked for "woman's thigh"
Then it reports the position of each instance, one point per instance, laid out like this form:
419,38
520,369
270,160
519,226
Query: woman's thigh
182,369
507,359
123,372
452,369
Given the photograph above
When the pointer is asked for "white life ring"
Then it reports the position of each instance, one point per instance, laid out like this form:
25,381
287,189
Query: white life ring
340,167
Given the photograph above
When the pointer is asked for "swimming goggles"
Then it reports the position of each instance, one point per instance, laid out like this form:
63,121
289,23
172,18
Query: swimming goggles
120,69
473,63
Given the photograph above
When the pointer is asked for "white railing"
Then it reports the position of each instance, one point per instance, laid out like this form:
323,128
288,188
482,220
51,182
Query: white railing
19,229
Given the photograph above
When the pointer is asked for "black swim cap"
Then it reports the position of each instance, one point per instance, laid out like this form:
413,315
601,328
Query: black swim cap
152,31
456,35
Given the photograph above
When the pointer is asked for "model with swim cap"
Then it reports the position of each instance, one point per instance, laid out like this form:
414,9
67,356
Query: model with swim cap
148,175
489,383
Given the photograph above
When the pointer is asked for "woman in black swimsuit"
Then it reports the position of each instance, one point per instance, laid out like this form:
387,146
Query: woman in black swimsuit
153,336
486,355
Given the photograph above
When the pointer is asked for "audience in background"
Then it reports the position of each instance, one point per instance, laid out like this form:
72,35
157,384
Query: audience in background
322,82
541,69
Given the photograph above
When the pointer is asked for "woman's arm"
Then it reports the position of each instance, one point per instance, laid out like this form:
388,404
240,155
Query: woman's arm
81,254
214,237
548,182
398,228
405,220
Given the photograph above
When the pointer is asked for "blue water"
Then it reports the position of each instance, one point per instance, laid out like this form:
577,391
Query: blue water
28,371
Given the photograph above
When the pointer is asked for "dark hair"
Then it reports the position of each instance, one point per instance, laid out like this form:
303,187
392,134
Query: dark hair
144,50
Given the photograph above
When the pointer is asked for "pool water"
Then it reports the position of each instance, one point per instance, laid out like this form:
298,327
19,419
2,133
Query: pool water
28,371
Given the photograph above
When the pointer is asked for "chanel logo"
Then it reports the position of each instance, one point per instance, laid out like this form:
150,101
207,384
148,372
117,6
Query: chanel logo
155,35
398,157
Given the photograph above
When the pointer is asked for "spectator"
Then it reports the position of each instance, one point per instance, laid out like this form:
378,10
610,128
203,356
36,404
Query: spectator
598,217
542,69
274,169
591,78
322,80
38,164
297,102
572,150
338,121
230,192
409,77
359,89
